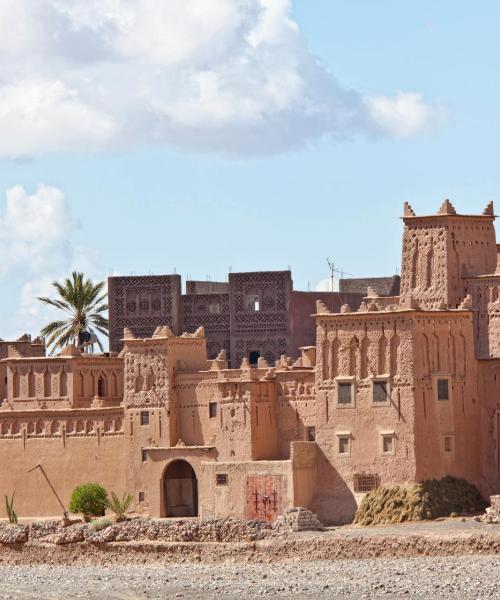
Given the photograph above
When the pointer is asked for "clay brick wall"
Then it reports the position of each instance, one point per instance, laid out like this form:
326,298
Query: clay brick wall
358,349
141,303
212,312
384,286
207,287
444,349
303,306
438,251
24,346
295,407
267,330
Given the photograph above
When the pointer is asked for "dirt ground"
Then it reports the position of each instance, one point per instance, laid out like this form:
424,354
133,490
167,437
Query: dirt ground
449,559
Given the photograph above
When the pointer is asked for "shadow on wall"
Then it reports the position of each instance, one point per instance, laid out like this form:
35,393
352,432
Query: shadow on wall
336,504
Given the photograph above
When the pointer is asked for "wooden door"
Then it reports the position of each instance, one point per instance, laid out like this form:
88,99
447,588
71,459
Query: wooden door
265,497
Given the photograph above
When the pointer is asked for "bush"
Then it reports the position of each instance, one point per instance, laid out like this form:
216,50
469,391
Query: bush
428,500
90,499
99,524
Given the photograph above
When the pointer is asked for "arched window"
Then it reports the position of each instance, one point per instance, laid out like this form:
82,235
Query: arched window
139,383
46,384
63,384
101,386
31,385
16,384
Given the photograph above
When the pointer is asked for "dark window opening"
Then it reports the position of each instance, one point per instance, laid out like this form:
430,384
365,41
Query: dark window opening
443,386
144,418
380,391
344,393
212,410
221,479
144,454
141,496
253,358
311,434
344,445
101,387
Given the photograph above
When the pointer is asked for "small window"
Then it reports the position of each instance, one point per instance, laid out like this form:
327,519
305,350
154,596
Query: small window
214,308
221,479
253,303
381,392
141,496
448,444
212,409
443,389
364,483
387,444
311,434
101,387
144,455
344,445
344,394
144,418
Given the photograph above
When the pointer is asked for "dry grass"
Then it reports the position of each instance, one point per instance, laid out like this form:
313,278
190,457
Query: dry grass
427,500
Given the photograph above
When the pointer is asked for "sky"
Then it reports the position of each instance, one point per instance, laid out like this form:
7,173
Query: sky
198,136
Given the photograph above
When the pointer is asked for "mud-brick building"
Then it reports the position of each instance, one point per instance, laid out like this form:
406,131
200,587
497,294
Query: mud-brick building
399,389
251,315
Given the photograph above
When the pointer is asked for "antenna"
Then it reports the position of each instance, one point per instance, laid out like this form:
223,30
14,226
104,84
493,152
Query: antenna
331,266
333,271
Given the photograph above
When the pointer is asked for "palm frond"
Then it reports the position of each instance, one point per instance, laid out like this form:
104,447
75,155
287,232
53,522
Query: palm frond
85,302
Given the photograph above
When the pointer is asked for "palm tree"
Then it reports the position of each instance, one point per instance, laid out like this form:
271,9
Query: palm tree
84,302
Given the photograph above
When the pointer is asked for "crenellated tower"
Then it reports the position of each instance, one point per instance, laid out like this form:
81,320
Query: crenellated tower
440,251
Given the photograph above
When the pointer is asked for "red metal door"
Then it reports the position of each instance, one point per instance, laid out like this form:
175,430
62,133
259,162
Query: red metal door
265,497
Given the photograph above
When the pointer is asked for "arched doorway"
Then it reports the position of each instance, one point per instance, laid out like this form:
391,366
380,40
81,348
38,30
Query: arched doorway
180,490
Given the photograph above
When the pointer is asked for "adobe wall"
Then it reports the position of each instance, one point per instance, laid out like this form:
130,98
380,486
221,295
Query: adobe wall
24,346
207,287
489,382
295,407
267,330
439,250
63,382
485,300
303,306
444,348
384,286
212,312
74,447
232,499
141,303
360,348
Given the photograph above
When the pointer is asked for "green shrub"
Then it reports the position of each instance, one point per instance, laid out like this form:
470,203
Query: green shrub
428,500
90,499
99,524
120,507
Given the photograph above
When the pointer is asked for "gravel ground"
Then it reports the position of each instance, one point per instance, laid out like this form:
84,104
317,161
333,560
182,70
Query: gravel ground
471,577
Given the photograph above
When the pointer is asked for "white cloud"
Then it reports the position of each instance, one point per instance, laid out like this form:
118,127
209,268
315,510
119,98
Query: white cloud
36,245
231,76
405,115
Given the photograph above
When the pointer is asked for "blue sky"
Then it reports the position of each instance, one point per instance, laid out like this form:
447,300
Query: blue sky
286,192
